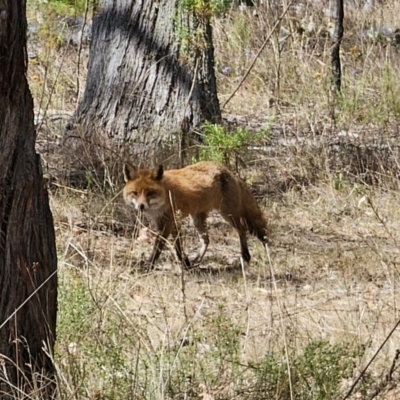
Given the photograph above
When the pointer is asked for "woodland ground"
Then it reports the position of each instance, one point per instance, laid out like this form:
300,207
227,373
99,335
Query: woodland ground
305,318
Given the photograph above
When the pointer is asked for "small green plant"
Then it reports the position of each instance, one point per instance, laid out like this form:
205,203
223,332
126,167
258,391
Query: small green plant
315,374
70,7
224,146
89,177
339,181
207,7
390,88
221,6
193,36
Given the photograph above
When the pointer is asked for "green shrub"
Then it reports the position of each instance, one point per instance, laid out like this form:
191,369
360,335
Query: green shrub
315,374
225,146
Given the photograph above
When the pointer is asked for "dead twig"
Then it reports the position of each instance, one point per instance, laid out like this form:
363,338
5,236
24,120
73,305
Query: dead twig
371,360
387,379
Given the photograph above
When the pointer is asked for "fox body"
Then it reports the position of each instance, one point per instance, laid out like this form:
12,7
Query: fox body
194,190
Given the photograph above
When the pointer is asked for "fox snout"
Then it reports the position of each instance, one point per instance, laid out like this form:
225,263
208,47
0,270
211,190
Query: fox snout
141,205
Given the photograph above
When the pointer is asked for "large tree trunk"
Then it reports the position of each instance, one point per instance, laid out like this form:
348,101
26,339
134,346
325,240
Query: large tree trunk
28,260
151,71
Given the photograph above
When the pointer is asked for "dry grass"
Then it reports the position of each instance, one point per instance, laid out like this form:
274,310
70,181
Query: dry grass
332,269
334,258
291,78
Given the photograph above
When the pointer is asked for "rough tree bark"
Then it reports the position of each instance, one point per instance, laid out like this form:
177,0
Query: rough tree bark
151,71
336,41
28,259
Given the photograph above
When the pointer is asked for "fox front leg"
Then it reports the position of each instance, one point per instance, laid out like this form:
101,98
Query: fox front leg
163,229
178,249
199,221
157,248
159,244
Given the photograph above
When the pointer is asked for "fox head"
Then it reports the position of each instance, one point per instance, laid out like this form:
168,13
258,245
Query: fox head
143,188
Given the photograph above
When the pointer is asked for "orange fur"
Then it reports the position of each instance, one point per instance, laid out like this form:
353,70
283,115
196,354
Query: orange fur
194,190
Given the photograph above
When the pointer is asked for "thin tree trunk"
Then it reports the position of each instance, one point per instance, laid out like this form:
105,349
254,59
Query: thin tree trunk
150,74
28,259
336,41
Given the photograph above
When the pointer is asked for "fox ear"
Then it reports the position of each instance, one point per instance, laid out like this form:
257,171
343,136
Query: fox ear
157,173
130,172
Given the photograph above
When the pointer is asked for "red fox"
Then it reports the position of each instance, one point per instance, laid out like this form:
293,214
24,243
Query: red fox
194,190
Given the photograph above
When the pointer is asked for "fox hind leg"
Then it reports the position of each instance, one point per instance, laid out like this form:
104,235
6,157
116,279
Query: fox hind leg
199,222
241,229
244,249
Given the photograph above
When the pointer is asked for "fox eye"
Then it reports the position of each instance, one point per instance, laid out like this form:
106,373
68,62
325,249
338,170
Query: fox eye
134,193
150,193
